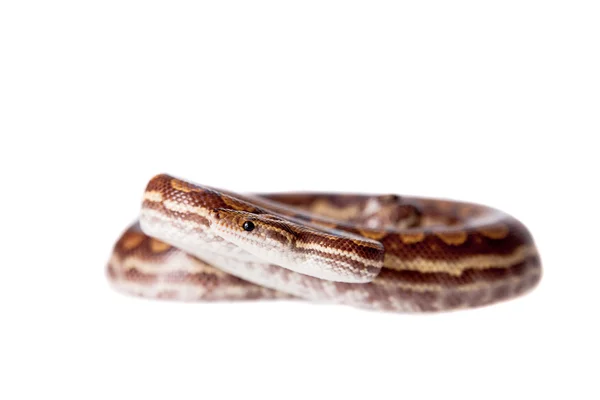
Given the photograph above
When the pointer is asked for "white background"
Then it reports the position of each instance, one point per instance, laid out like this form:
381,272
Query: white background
493,102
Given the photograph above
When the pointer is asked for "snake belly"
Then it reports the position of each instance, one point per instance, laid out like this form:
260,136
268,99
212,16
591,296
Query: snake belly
384,252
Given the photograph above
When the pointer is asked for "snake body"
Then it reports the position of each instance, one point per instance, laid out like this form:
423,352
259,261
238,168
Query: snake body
382,252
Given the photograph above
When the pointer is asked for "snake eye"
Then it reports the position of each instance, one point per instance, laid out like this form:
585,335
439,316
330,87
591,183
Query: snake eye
248,226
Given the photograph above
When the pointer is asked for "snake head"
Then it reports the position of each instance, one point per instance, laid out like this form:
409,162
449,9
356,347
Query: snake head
228,230
300,246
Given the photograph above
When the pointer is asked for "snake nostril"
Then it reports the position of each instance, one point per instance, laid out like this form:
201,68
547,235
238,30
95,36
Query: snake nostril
218,213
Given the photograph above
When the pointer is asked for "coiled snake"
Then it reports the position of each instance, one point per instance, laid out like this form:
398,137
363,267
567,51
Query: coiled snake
381,252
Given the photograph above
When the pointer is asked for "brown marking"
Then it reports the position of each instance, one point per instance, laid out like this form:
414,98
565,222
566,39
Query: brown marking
453,238
375,235
456,265
191,216
349,260
368,245
131,240
278,234
158,246
496,232
519,269
238,205
184,186
411,238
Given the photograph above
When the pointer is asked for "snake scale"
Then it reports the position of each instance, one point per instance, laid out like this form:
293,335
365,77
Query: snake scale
383,252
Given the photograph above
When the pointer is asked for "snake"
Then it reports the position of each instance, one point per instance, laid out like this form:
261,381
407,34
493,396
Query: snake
380,252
